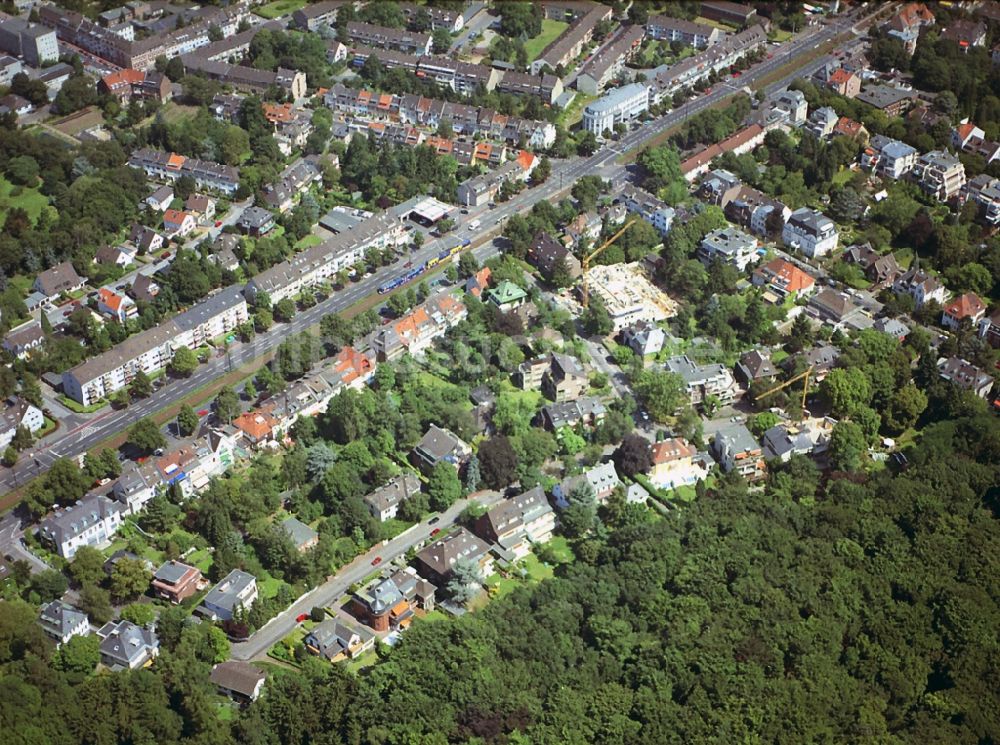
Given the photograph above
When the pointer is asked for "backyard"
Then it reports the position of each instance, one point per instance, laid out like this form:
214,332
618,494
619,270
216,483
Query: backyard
279,8
550,31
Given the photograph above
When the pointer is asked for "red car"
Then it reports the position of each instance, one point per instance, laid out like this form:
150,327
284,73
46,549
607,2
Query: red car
435,532
203,412
770,56
301,617
165,255
737,74
218,223
376,561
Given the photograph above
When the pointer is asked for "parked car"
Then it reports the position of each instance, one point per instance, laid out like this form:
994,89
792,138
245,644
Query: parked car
376,561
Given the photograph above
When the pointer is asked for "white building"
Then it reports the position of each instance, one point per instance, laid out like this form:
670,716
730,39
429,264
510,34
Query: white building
729,245
19,413
620,106
93,521
62,621
649,208
811,232
238,590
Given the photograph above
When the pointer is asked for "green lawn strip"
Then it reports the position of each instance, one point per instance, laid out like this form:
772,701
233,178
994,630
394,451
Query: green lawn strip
79,408
551,29
29,199
279,8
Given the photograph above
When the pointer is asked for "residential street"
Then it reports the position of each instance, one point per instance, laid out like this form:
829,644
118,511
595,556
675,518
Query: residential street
336,586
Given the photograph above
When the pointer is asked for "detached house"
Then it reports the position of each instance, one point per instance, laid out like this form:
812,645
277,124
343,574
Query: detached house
237,591
674,464
755,365
730,246
965,375
437,561
546,254
119,307
703,381
334,640
18,413
178,224
811,232
989,329
384,502
736,449
940,174
24,339
176,581
921,286
62,622
879,269
518,523
844,82
439,445
59,280
965,307
93,521
602,480
782,279
887,157
238,680
382,606
644,338
906,24
125,646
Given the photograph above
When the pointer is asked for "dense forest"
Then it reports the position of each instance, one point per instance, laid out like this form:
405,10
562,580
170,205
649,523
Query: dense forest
846,608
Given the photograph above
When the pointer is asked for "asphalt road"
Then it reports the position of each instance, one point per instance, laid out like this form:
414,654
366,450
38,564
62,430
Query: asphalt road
83,437
336,586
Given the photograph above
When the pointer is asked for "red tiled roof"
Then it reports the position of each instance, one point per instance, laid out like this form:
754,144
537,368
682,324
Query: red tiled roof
840,76
965,306
671,450
174,217
793,278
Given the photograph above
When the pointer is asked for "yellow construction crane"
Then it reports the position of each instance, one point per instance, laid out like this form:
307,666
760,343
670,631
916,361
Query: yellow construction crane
593,254
804,376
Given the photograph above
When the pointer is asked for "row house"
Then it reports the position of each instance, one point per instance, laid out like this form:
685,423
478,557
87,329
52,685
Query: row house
389,38
688,33
193,465
743,141
570,43
609,62
417,330
545,86
650,208
247,78
462,77
480,190
320,263
714,59
164,166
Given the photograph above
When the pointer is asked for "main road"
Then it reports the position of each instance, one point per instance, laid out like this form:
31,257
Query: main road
100,427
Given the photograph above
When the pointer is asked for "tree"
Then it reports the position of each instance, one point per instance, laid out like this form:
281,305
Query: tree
10,456
472,474
466,580
184,362
761,423
497,462
443,487
141,386
634,455
227,405
440,41
141,614
87,566
187,421
847,446
79,655
661,392
845,390
578,517
284,310
596,319
542,171
96,603
65,482
905,406
319,459
129,578
49,584
145,435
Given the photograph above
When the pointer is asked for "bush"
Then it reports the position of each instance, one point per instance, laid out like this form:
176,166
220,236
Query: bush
317,614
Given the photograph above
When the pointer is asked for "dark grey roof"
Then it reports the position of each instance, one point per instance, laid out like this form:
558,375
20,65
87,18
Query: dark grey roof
298,531
172,572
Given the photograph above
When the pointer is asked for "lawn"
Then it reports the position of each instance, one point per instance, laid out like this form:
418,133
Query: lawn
268,586
550,30
80,408
841,177
559,547
30,200
574,112
687,493
308,242
201,559
280,8
780,35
